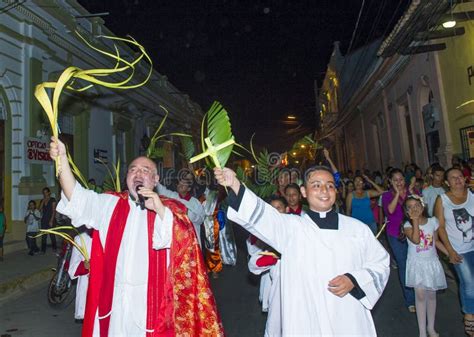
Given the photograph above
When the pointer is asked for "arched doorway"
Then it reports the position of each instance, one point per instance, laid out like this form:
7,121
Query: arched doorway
431,125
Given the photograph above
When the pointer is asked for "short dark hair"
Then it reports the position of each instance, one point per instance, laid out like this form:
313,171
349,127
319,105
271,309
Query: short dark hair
46,189
292,185
314,169
278,198
394,171
32,201
449,170
437,168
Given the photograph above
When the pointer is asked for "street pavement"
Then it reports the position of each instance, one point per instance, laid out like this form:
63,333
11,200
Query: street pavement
28,314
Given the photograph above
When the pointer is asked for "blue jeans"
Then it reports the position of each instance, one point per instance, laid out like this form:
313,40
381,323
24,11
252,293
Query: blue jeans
465,272
400,250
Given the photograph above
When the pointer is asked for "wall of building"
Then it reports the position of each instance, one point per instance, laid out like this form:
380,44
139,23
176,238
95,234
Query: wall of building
457,72
388,128
36,44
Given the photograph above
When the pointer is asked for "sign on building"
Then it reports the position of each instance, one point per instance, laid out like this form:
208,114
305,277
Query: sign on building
37,151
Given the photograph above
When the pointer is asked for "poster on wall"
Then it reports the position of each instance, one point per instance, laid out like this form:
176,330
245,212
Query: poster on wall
37,150
470,142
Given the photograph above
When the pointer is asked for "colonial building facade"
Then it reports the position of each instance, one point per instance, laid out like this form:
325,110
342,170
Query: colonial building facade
36,44
398,103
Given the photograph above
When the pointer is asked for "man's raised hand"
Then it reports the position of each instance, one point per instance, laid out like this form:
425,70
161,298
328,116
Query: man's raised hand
152,201
227,178
56,148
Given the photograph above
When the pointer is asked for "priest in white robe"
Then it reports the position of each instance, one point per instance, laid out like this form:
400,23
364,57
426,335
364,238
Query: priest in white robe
146,271
333,270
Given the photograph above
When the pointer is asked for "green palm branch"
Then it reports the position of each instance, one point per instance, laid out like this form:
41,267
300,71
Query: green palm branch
112,181
219,142
76,171
187,147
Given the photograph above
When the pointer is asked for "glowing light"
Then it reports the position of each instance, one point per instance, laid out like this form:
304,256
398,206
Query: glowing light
449,24
293,153
297,161
291,117
303,146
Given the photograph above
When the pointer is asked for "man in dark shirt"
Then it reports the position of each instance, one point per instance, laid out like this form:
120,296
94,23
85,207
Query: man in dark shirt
48,212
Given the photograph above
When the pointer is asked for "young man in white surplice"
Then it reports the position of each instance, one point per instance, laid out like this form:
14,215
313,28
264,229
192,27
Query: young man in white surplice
333,270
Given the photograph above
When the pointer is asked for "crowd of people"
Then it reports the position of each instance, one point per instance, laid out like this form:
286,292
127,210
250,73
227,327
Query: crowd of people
420,213
399,219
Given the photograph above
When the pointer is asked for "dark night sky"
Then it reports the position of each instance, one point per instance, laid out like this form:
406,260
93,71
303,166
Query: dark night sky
258,58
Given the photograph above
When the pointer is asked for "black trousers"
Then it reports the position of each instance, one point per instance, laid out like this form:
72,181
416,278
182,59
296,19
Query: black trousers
31,242
44,239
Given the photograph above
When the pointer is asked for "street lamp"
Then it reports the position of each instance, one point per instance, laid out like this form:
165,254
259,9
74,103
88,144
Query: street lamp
449,24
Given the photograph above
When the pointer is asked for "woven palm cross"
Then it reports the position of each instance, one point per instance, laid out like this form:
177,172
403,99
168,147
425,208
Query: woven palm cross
212,151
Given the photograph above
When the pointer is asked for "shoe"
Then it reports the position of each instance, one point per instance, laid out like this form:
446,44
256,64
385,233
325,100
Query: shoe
31,253
411,308
433,334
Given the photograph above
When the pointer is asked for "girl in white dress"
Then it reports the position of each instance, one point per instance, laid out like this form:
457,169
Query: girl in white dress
424,271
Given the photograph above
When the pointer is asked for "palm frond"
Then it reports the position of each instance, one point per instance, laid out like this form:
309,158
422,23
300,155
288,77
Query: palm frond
219,130
57,231
151,151
187,147
218,142
76,171
112,181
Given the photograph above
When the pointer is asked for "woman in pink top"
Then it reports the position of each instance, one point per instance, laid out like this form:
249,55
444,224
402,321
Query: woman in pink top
392,202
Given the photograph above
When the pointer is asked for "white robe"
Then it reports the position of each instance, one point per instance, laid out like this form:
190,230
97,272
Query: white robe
270,291
195,209
129,305
310,258
82,280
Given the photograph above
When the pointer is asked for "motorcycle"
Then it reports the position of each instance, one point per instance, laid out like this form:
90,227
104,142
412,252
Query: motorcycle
61,290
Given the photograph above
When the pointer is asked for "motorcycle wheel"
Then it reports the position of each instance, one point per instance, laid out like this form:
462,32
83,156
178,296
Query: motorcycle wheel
61,291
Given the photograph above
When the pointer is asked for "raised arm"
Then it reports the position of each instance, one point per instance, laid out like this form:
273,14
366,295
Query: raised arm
255,215
393,204
57,149
412,232
328,158
378,189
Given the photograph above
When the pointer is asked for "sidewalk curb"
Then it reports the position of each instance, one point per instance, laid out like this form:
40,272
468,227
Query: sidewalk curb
16,287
